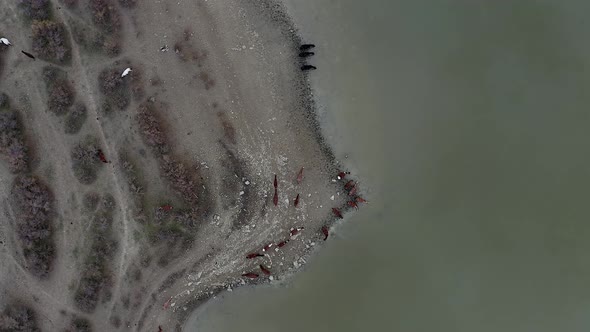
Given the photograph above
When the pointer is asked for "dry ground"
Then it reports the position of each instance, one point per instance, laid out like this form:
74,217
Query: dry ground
232,108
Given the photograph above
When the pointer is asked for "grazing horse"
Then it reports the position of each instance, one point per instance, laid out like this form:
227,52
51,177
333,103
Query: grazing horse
250,275
29,55
325,231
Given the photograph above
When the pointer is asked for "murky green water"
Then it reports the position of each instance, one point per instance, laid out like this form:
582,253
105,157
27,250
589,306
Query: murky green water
468,122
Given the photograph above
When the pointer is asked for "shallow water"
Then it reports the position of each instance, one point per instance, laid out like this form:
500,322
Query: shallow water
467,122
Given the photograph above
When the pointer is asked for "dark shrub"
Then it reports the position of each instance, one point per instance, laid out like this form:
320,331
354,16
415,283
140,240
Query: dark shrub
90,201
137,84
18,318
70,3
4,101
75,120
96,273
35,206
183,181
12,143
128,3
150,128
105,14
111,45
36,9
85,161
114,87
59,90
50,41
79,324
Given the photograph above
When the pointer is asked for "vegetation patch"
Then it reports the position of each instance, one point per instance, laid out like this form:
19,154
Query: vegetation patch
90,201
35,9
3,49
128,3
34,203
92,40
96,273
60,93
51,41
105,15
18,317
79,324
137,89
86,161
75,120
186,183
114,87
12,142
135,185
70,3
150,126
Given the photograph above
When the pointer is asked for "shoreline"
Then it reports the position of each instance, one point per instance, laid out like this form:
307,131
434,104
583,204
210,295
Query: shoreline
308,99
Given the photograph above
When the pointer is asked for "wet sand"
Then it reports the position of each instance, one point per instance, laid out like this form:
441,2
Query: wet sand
222,80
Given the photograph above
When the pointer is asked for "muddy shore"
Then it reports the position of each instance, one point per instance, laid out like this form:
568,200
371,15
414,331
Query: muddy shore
135,199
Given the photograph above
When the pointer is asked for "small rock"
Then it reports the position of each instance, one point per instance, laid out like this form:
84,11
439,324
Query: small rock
241,193
332,197
247,182
295,264
271,278
229,289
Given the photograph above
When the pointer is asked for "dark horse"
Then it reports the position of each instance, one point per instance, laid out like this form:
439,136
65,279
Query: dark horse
305,54
305,47
308,67
29,55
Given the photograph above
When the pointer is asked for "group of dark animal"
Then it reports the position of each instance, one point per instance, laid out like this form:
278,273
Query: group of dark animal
305,53
350,187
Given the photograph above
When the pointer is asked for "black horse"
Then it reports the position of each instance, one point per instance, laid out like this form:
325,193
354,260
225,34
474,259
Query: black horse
29,55
305,54
308,67
305,47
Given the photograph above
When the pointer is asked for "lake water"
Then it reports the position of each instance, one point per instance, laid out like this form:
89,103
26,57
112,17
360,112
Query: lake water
468,123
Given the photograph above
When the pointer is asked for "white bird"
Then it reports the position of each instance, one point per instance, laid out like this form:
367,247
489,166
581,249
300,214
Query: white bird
5,41
126,72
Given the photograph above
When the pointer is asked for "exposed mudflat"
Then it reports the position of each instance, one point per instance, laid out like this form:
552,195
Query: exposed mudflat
127,201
